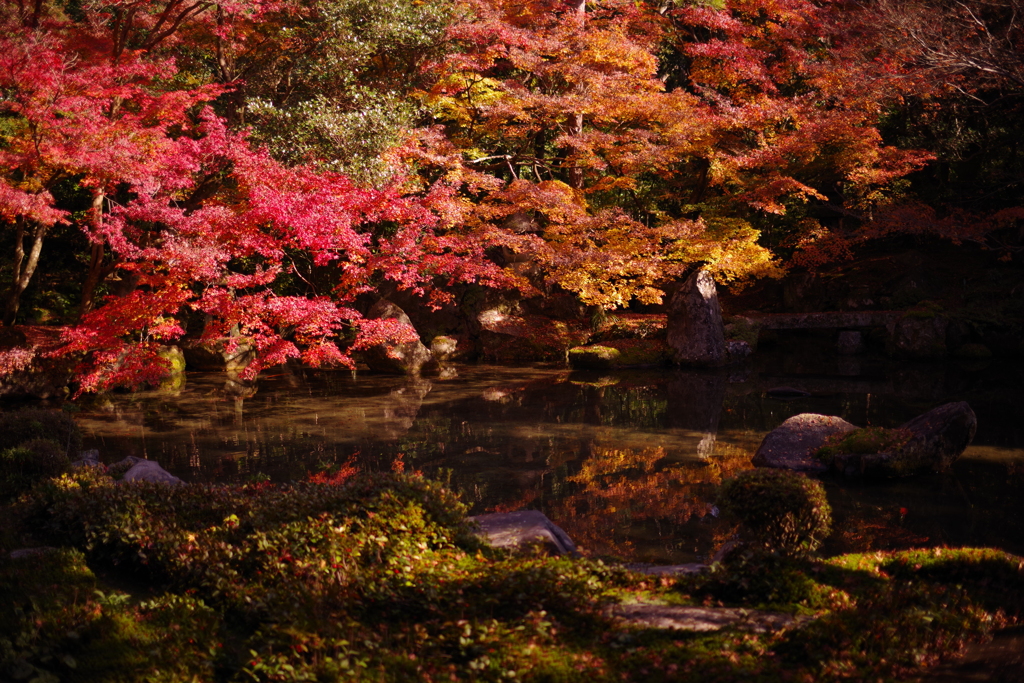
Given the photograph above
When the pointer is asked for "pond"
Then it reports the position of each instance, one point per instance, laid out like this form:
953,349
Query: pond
626,462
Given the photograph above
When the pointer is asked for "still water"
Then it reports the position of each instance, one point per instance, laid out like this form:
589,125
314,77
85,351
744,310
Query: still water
627,462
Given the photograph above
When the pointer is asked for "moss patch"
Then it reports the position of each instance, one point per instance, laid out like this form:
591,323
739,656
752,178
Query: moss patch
621,353
631,326
863,441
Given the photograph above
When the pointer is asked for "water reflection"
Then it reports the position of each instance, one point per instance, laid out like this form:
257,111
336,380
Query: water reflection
628,463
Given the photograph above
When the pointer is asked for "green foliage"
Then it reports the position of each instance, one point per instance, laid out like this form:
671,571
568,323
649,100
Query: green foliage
24,465
902,609
863,441
56,625
752,577
249,538
996,579
378,580
35,444
620,353
779,511
351,68
17,427
324,582
743,329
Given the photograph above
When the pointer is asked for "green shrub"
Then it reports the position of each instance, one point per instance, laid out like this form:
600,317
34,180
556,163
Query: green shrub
752,577
19,426
237,545
322,581
778,510
32,461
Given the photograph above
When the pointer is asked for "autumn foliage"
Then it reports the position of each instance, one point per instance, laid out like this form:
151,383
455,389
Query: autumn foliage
602,149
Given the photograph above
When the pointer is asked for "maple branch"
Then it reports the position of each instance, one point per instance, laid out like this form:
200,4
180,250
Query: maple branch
158,37
295,269
503,157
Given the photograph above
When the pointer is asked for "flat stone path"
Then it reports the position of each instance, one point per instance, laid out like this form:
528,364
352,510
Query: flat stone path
1000,660
676,617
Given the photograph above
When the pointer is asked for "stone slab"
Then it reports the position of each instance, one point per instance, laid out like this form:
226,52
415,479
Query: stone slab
523,529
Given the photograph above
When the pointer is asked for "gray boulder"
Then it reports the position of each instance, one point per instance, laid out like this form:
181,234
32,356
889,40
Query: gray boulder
407,358
696,333
524,529
88,458
90,454
792,445
150,471
937,438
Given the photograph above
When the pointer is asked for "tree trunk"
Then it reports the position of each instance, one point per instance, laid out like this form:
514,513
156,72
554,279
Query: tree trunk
575,176
24,268
98,271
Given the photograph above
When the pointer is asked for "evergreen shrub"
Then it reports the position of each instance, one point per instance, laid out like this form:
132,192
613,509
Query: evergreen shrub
19,426
779,511
24,465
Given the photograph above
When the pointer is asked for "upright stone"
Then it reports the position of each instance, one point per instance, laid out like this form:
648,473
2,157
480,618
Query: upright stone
696,333
406,358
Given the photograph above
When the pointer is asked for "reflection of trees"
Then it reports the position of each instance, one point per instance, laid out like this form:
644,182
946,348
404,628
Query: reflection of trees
617,488
695,403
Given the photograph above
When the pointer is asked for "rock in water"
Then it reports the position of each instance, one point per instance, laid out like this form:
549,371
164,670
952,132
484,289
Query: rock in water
793,444
407,358
942,434
937,438
524,529
695,329
150,471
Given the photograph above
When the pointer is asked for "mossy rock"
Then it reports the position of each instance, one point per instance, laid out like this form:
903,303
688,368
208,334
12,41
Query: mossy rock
621,353
863,441
174,357
931,441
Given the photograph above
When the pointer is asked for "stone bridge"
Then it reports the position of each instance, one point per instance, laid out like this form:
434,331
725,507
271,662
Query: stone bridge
838,320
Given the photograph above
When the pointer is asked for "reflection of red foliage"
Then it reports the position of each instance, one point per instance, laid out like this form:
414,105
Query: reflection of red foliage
875,530
620,487
338,477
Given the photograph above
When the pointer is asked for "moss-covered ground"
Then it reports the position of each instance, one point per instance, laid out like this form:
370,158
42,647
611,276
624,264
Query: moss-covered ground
379,578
